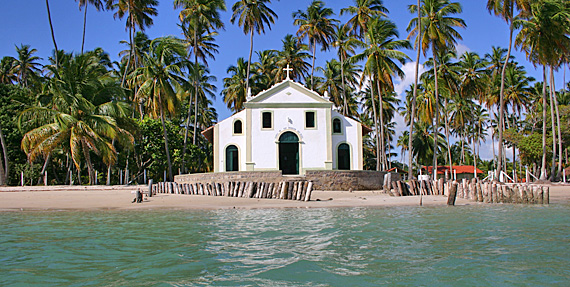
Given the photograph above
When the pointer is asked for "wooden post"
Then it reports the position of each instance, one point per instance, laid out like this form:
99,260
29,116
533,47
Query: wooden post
540,197
452,194
309,191
239,192
250,190
276,188
479,192
536,194
283,193
399,191
546,195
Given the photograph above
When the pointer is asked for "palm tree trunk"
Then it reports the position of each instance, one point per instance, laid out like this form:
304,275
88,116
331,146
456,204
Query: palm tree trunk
249,60
345,110
190,106
557,122
413,115
52,35
376,129
84,25
90,170
502,97
553,163
477,150
170,177
436,125
186,135
448,136
313,65
131,32
44,168
3,177
109,167
544,102
381,115
474,158
196,86
493,144
514,164
5,166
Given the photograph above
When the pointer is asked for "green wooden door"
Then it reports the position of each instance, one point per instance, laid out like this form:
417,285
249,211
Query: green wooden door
289,153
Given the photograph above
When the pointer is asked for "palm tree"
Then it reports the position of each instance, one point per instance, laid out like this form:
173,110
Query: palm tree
332,83
202,17
8,71
265,70
423,143
252,15
345,45
316,25
403,144
293,54
544,38
234,92
52,33
479,123
380,53
159,77
505,9
448,76
98,4
26,65
438,33
205,90
196,30
139,14
363,11
81,116
415,88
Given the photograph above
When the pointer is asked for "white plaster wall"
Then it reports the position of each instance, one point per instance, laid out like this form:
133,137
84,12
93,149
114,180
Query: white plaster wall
312,149
350,136
227,138
289,95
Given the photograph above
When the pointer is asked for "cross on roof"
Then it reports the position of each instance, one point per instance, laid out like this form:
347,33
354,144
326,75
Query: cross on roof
288,70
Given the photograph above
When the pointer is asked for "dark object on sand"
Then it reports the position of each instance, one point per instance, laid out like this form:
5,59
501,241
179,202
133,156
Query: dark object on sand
138,197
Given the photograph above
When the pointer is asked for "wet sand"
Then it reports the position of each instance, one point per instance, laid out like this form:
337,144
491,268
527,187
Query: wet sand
121,197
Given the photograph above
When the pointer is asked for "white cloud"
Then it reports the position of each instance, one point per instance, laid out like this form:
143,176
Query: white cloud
461,49
409,70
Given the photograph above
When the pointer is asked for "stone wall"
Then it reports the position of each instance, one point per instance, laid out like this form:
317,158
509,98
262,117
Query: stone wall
346,179
322,179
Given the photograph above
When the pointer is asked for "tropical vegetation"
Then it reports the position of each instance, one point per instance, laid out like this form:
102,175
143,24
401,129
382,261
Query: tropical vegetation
88,117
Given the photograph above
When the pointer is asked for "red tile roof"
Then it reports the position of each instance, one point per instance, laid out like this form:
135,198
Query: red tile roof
397,170
459,169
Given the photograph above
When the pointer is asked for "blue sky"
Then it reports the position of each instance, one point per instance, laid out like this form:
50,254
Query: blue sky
26,22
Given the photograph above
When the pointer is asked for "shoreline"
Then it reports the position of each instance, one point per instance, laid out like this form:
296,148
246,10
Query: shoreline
107,198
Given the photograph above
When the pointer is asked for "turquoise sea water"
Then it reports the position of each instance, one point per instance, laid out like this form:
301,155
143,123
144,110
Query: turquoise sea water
493,245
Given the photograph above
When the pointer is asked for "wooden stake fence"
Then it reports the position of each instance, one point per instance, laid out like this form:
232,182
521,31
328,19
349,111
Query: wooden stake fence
477,191
290,190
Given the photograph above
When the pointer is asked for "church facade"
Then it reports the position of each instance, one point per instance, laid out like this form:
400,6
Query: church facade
289,128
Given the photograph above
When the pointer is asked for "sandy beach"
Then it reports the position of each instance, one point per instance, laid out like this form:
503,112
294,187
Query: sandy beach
120,198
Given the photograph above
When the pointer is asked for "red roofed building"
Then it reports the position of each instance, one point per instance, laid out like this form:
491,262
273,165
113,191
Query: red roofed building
462,171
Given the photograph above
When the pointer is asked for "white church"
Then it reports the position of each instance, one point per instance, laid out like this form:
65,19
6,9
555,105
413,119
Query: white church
289,128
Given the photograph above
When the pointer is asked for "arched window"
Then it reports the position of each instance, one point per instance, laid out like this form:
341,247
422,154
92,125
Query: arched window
238,127
343,157
232,158
337,126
